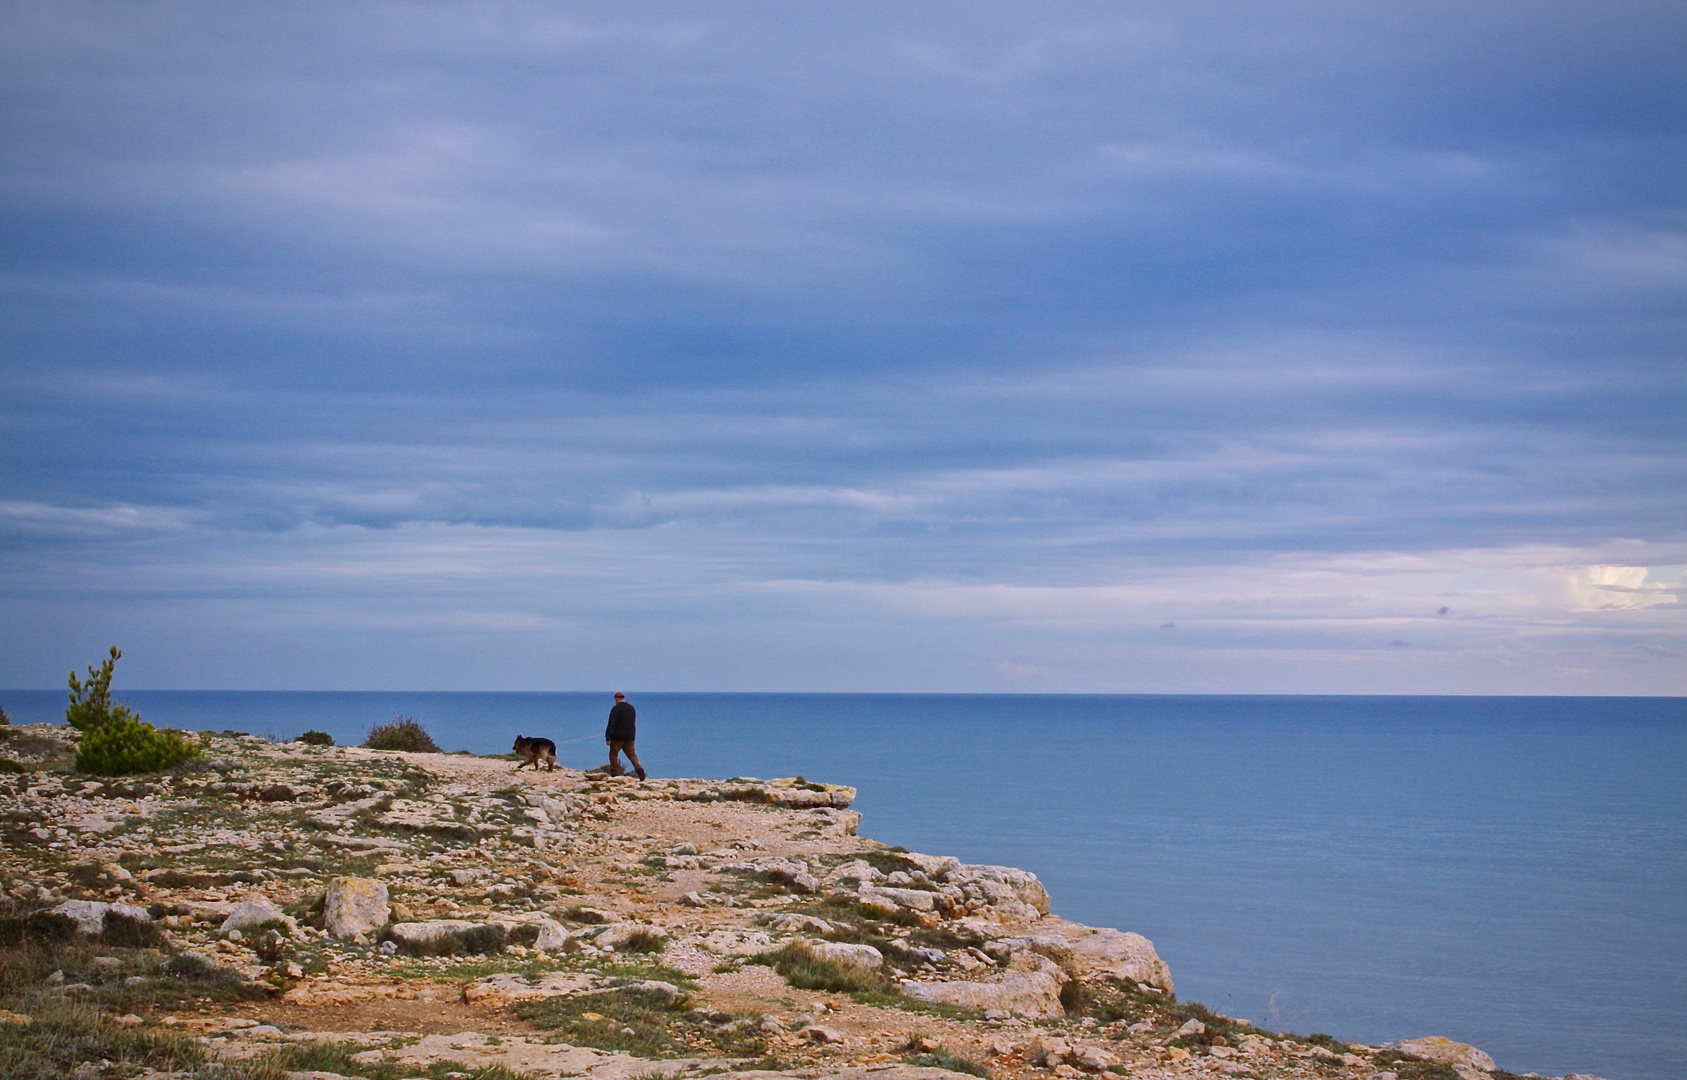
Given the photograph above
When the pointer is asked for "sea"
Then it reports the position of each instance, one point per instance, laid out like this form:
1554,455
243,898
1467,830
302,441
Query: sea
1508,872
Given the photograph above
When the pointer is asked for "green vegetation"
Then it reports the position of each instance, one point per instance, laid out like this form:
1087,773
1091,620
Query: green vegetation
643,941
90,702
63,1035
316,738
115,741
805,971
336,1057
125,744
63,1032
644,1021
943,1059
401,733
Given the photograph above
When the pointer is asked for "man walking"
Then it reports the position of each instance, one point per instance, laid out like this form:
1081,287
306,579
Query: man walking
620,735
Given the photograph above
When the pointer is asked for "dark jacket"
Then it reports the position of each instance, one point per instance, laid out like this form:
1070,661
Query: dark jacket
621,719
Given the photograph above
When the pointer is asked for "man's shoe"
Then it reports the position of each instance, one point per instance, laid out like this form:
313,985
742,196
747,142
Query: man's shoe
639,772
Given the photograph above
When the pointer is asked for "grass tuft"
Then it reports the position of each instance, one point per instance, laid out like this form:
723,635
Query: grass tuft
943,1059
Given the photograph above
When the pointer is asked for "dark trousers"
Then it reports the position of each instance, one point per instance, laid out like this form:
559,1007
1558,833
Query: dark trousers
615,748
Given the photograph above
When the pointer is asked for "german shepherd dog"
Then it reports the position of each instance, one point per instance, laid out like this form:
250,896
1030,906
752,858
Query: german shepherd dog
535,751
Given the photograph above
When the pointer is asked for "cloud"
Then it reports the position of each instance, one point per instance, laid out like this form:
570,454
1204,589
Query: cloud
1031,325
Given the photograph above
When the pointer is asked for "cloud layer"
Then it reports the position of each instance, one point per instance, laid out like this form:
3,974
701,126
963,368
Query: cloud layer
846,347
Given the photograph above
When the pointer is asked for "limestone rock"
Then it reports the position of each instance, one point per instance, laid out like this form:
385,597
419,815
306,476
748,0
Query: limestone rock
447,937
852,875
552,936
617,935
507,987
90,915
797,923
1048,1050
1116,953
355,907
255,910
860,957
1030,988
1447,1052
1092,1059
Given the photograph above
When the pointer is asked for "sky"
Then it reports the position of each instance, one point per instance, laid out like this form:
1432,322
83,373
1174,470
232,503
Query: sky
994,347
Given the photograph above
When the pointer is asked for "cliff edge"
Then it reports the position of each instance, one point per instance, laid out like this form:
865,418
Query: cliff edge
281,910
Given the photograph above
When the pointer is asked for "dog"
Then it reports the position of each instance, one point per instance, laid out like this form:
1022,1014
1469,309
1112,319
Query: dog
535,751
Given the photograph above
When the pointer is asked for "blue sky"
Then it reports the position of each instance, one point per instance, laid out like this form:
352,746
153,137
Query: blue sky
996,347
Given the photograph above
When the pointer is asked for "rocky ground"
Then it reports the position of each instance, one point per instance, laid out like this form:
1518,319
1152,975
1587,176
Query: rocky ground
269,911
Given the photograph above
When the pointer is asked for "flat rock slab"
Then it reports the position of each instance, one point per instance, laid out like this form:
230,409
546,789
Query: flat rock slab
472,1050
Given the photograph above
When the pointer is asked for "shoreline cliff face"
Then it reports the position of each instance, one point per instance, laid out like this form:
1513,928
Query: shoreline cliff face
292,911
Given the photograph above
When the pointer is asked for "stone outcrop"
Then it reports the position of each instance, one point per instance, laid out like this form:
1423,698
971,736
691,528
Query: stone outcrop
1030,988
355,908
253,911
1466,1060
457,889
93,916
846,955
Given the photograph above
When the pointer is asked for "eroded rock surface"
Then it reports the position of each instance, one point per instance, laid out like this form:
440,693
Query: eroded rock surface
431,913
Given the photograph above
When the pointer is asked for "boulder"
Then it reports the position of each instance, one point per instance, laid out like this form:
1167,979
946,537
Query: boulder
908,899
1004,887
1461,1056
255,910
355,908
1030,988
1048,1051
90,915
552,936
852,875
446,937
844,955
1087,952
797,923
1093,1059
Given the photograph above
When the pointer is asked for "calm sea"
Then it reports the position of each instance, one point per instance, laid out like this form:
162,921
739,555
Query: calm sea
1510,872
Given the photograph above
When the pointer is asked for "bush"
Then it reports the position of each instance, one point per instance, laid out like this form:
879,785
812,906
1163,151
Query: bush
402,733
5,721
643,941
90,702
125,745
317,738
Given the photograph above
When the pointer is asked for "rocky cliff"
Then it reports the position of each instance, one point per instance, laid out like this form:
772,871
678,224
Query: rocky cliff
283,910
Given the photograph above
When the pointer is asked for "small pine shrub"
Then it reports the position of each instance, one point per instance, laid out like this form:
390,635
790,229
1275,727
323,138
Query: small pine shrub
401,733
316,738
5,721
90,702
124,745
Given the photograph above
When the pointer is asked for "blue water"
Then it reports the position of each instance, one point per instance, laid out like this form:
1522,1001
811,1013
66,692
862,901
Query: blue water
1511,872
